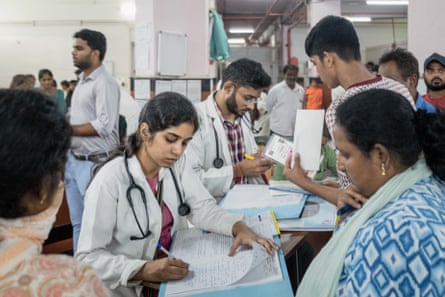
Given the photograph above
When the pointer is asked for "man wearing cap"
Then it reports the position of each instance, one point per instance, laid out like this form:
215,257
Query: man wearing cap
434,76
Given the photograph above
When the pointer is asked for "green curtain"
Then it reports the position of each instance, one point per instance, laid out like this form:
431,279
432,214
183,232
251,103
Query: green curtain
219,45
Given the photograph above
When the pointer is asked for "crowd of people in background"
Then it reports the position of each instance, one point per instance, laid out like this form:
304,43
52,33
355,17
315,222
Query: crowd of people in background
48,86
380,135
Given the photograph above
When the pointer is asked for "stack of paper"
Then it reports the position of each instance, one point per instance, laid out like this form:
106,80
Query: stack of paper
307,141
211,268
281,187
264,223
254,199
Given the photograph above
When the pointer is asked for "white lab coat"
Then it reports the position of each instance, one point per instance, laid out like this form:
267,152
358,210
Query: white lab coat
202,150
108,221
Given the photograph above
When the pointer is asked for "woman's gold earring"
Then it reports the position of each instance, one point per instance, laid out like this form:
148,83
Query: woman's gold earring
382,168
42,200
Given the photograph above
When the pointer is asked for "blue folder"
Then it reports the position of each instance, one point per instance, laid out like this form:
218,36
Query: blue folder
281,212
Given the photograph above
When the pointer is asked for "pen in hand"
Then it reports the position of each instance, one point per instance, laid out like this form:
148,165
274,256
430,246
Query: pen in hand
164,250
249,157
169,255
341,212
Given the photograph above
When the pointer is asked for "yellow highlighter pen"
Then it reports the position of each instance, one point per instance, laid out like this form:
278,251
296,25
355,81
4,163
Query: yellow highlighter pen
249,157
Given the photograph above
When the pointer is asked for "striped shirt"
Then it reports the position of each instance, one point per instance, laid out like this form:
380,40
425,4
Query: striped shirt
235,140
379,82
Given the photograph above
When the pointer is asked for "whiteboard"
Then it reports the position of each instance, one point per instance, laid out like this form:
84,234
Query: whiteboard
172,53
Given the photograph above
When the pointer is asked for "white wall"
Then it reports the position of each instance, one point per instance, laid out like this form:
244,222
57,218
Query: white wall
38,34
426,29
263,55
26,49
173,16
370,36
35,35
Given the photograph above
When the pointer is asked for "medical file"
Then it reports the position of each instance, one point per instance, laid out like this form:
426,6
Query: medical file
212,269
252,199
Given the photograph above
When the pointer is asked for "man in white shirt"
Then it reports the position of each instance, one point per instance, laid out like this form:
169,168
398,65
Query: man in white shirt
94,120
283,101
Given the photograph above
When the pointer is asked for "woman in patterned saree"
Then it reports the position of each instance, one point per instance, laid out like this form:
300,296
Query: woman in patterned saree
34,143
394,244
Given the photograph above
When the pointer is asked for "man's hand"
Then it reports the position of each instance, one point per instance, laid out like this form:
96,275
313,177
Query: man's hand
255,167
296,175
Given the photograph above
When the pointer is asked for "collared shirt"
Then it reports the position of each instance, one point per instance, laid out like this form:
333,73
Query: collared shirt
282,103
235,140
96,100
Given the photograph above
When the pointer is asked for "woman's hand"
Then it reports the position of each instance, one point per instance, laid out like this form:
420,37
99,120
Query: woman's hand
163,269
244,235
351,196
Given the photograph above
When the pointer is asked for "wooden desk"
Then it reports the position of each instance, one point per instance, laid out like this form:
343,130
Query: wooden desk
60,238
291,241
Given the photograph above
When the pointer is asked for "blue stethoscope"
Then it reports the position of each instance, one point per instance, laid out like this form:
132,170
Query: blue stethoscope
183,208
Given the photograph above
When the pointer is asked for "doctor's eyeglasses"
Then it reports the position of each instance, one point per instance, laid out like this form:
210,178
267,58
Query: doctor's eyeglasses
251,101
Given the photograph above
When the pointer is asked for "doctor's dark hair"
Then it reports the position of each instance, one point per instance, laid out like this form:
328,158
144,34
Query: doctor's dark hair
385,117
333,34
35,139
95,39
168,109
246,73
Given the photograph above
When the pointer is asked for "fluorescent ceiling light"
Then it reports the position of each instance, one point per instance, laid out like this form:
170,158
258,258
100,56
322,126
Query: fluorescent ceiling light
359,19
240,30
387,2
236,40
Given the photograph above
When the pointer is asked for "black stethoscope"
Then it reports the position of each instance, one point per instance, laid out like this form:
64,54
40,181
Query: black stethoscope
218,162
183,208
249,124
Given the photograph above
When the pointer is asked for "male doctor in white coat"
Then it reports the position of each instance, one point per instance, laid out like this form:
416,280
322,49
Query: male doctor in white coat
223,152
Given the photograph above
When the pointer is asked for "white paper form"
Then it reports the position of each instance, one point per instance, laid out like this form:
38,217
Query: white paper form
143,34
278,149
211,268
263,224
194,90
179,86
307,138
244,196
142,88
163,86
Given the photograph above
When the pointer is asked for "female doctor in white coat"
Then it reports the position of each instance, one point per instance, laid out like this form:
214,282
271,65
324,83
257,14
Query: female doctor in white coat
140,199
